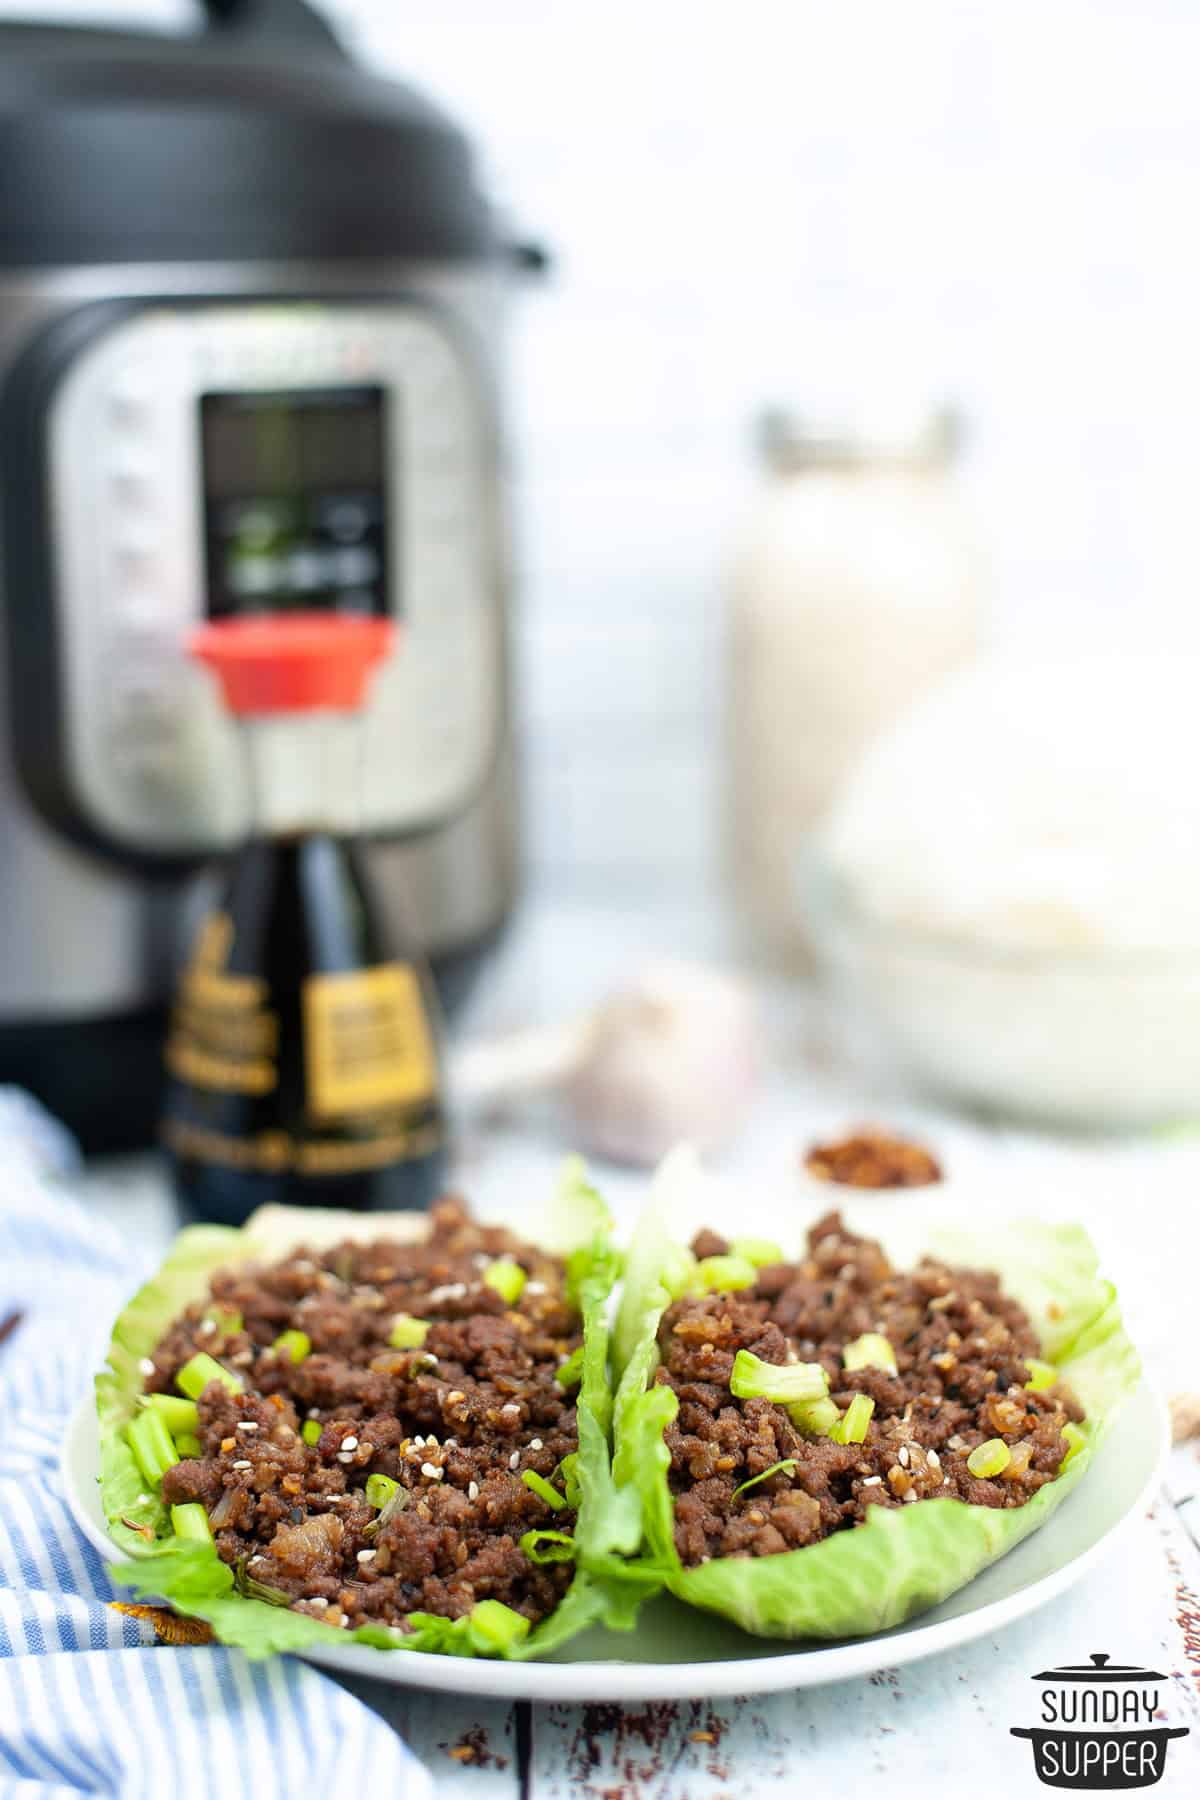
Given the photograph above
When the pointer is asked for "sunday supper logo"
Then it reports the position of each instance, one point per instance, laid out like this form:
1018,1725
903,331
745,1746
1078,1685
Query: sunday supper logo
1100,1726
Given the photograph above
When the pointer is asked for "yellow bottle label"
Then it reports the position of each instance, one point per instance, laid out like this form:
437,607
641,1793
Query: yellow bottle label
222,1035
367,1042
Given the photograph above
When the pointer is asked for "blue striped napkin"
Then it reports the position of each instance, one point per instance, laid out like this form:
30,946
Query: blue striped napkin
89,1702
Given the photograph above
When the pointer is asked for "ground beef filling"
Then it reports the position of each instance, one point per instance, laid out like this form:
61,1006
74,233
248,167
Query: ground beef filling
456,1423
961,1349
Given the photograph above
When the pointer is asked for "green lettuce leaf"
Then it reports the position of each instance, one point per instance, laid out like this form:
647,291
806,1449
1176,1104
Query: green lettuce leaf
898,1562
192,1578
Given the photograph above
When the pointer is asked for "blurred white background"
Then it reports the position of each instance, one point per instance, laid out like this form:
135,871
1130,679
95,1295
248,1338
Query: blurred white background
747,200
744,202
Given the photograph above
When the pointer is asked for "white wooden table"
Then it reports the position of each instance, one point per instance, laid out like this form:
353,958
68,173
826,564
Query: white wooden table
922,1726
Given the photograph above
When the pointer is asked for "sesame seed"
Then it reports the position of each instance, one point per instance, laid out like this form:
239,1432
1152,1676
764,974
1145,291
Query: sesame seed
450,1444
935,1461
243,1358
431,1442
206,1327
260,1558
345,1456
514,1461
911,1495
147,1365
419,1442
903,1457
454,1396
453,1290
349,1443
366,1556
535,1443
314,1412
340,1499
472,1490
535,1287
510,1407
873,1481
243,1462
319,1602
431,1471
247,1425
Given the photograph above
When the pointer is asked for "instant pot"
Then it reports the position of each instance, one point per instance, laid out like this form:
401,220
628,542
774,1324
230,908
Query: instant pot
249,308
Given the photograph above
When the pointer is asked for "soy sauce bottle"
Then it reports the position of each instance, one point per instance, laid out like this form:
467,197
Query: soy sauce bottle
302,1052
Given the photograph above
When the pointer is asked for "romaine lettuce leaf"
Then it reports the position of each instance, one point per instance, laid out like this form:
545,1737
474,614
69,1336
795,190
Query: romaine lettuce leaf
898,1562
192,1577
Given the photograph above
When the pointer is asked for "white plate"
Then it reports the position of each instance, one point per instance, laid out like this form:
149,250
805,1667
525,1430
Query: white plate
682,1653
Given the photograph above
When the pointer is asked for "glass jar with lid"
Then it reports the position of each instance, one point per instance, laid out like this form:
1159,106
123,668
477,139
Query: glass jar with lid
855,588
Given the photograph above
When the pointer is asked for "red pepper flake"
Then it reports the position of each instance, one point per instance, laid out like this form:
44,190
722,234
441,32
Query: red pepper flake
873,1158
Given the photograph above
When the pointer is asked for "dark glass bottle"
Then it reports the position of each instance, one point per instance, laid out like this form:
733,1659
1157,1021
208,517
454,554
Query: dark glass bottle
302,1053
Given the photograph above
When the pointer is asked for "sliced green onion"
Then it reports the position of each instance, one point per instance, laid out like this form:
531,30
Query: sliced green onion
380,1489
788,1466
152,1445
408,1333
176,1413
310,1431
722,1275
541,1487
506,1278
759,1251
245,1583
678,1270
815,1418
396,1502
851,1428
202,1368
1042,1375
870,1351
187,1445
494,1628
227,1319
191,1521
568,1470
548,1546
991,1458
570,1373
753,1379
297,1344
1076,1439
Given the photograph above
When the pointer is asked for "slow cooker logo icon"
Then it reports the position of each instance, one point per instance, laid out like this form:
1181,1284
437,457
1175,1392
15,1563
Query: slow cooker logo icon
1100,1726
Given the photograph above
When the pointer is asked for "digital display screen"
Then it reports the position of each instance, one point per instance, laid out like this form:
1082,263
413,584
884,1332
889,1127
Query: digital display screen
295,487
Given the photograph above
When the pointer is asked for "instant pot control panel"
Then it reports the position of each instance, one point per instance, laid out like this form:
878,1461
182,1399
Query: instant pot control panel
211,459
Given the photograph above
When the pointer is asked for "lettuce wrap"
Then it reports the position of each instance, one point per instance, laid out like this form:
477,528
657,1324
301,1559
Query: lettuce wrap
899,1562
190,1576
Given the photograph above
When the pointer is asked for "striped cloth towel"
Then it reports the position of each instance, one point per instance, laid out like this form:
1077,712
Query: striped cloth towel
89,1703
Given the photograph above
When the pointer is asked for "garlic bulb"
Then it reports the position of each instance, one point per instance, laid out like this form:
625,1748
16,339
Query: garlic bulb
675,1055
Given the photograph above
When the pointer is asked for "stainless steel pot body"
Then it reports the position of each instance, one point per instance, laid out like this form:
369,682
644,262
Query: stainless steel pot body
94,892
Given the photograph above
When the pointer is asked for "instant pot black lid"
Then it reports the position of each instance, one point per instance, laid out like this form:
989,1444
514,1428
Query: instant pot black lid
257,139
